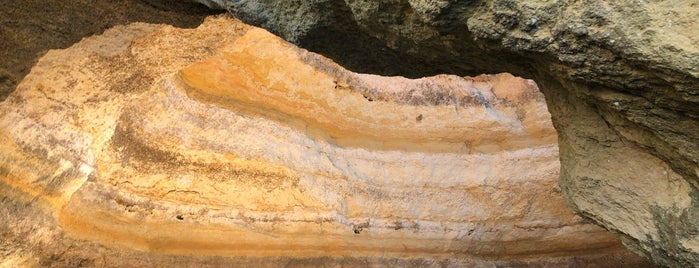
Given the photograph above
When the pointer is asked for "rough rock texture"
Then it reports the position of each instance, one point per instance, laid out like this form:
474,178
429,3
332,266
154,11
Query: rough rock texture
224,145
29,28
621,79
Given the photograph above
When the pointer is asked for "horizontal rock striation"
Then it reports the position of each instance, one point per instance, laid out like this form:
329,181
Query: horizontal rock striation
224,145
620,79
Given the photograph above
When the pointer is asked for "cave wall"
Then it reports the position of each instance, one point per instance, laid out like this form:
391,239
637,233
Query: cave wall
621,80
151,145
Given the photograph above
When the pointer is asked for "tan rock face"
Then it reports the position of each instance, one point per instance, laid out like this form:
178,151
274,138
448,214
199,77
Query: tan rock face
226,145
620,77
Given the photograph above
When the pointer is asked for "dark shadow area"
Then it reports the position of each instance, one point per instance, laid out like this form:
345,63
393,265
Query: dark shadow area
351,47
362,53
356,51
338,37
29,28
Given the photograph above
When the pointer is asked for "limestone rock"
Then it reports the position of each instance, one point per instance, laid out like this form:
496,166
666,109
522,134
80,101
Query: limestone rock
621,79
224,145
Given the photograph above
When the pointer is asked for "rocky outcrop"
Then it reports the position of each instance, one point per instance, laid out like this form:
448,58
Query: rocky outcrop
620,78
224,145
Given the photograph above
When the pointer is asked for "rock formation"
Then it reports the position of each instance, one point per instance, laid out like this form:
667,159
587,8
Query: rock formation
224,145
29,28
621,79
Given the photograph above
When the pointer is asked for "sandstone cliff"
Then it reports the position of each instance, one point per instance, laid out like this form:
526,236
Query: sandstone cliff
224,145
621,79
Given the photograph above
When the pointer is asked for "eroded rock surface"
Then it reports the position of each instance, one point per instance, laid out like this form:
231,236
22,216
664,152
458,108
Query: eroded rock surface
29,28
224,145
621,80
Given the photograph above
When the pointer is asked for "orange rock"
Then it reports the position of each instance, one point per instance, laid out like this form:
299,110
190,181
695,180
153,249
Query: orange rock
226,141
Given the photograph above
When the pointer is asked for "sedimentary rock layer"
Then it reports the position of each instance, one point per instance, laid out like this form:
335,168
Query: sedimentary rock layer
226,145
620,78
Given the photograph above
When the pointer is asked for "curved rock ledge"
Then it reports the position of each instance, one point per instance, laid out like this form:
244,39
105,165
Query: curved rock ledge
621,79
226,145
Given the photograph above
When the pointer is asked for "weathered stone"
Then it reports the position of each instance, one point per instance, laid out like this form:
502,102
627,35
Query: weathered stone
29,28
621,80
224,145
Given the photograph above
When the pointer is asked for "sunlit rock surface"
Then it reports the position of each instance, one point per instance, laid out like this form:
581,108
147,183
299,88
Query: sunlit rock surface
224,145
621,79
